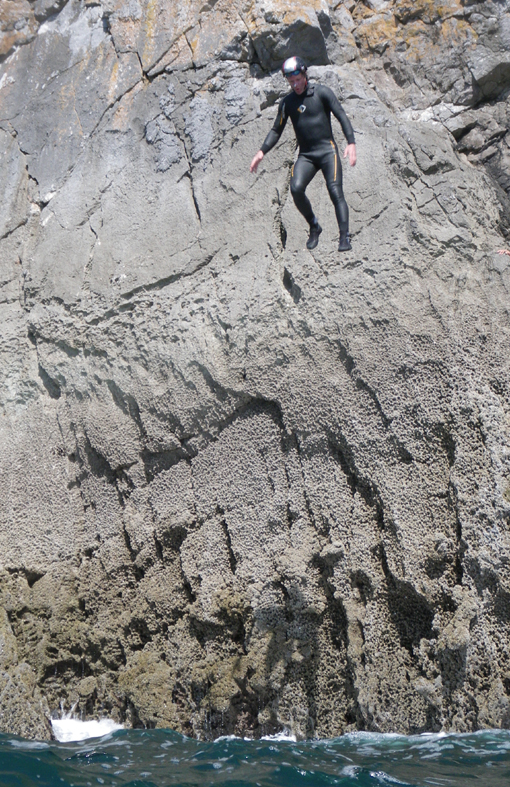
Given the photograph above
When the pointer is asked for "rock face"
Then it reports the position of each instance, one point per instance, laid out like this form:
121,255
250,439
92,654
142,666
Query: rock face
245,486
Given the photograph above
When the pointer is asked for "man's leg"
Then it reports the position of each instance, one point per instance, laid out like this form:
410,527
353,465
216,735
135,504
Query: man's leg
332,171
302,173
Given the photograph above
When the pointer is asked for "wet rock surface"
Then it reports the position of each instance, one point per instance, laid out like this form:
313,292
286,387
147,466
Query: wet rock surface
245,486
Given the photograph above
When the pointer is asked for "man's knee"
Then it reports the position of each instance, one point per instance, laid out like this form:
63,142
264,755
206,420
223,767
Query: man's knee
336,193
297,189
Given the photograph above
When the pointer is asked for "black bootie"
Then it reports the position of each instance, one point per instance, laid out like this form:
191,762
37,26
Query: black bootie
313,238
345,243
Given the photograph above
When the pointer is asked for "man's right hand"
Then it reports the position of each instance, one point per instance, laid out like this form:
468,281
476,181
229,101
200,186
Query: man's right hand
257,158
350,153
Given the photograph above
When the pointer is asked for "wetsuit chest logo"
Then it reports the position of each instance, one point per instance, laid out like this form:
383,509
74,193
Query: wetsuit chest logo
301,109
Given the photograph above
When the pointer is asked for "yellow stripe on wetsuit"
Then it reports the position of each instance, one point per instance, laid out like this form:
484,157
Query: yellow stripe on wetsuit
334,150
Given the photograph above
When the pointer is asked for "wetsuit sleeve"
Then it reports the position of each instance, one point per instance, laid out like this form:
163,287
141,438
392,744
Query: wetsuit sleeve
332,103
276,132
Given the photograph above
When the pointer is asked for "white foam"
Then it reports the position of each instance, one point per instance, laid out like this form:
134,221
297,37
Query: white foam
66,730
285,735
28,745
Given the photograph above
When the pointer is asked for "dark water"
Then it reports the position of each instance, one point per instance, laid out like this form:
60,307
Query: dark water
160,757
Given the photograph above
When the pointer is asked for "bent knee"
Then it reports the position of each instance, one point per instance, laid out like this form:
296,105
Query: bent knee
336,193
296,188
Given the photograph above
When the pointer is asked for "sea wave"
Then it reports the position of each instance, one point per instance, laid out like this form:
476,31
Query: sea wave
150,758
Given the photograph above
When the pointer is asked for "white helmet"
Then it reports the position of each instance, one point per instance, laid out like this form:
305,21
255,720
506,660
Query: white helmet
293,65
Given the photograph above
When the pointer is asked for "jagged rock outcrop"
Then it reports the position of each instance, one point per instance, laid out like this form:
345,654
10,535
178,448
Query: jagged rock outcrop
245,486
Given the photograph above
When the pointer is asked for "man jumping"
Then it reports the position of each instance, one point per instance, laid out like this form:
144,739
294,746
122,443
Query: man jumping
310,107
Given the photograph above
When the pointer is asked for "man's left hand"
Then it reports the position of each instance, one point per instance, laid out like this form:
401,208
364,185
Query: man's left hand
350,151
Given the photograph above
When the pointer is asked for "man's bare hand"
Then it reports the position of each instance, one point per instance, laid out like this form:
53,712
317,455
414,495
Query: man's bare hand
350,151
257,158
504,251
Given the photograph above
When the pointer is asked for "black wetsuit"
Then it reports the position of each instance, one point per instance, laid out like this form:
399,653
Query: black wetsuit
310,113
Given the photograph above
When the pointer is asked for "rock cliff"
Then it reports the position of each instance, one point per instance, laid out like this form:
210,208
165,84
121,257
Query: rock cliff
245,486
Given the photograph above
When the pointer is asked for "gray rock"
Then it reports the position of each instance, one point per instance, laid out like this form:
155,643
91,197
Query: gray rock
18,26
14,202
65,108
236,97
491,71
245,486
46,8
199,127
277,34
161,133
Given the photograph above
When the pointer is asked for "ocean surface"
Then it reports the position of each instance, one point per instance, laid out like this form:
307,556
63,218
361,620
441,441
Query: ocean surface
156,758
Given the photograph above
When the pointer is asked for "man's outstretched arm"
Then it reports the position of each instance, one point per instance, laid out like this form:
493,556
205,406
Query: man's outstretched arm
272,138
332,103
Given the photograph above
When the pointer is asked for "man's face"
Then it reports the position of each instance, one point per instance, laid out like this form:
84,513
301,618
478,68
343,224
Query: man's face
297,82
